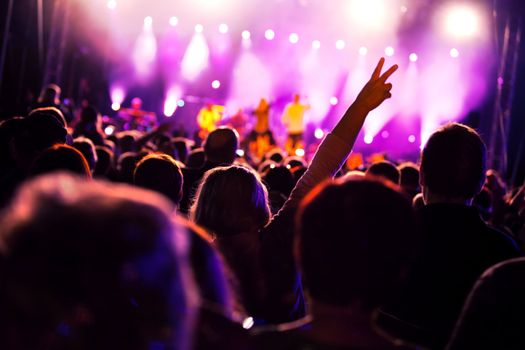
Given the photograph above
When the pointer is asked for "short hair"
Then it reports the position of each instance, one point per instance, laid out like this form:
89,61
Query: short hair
89,115
355,240
38,132
231,200
108,251
280,179
221,145
60,158
160,173
104,161
53,111
87,148
453,162
385,169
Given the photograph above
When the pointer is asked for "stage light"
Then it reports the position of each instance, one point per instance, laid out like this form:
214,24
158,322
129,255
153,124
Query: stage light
334,100
385,134
112,4
363,51
109,130
389,51
454,53
368,139
299,152
246,35
269,34
170,104
223,28
293,38
370,16
240,152
196,57
117,95
180,103
215,84
413,57
319,133
199,28
404,9
115,106
461,21
316,44
411,139
148,21
174,21
340,44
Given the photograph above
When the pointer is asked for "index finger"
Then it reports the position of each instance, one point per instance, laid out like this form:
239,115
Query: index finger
389,72
377,70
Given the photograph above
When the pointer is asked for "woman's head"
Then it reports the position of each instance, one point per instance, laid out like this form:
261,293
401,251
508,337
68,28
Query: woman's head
231,200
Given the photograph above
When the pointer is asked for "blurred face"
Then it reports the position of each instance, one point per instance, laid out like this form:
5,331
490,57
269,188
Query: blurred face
296,98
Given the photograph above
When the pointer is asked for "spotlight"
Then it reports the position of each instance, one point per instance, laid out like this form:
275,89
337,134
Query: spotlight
363,51
223,28
109,130
174,21
454,53
340,44
404,9
385,134
246,35
199,28
389,51
180,103
413,57
319,133
293,38
316,44
112,4
369,139
240,152
269,34
215,84
299,152
461,22
115,106
334,100
411,139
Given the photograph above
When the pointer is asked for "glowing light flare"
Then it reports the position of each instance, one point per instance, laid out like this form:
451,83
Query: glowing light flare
371,15
411,138
363,51
293,38
413,57
334,100
454,53
117,95
368,139
316,44
340,44
385,134
240,153
170,103
215,84
148,22
181,103
145,51
174,21
461,21
109,130
223,28
112,4
246,35
199,28
389,51
299,152
196,57
319,133
115,106
269,34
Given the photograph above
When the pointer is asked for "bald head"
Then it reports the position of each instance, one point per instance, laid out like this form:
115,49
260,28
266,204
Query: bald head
220,145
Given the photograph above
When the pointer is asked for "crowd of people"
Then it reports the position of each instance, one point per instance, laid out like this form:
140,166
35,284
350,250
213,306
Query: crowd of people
141,240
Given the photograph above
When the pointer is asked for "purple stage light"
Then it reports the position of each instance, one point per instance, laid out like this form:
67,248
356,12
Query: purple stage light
293,38
319,133
340,44
174,21
223,28
411,139
112,4
246,35
385,134
334,100
454,53
363,51
299,152
316,44
269,34
389,51
199,28
215,84
413,57
368,139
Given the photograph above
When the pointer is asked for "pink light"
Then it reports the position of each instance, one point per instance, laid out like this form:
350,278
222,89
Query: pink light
299,152
148,22
411,139
117,95
316,44
269,34
319,133
363,51
112,4
199,28
389,51
109,130
216,84
413,57
385,134
115,106
223,28
454,53
293,38
174,21
195,58
171,102
368,139
334,100
404,9
340,44
246,35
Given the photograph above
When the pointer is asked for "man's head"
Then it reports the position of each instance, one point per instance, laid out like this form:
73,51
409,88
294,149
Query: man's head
453,164
356,238
221,146
385,169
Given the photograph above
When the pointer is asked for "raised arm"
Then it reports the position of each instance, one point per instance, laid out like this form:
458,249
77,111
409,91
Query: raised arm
336,147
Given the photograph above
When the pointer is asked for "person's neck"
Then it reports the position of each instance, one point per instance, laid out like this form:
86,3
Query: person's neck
345,326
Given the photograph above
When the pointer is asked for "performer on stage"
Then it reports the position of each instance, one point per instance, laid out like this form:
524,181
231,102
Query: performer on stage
208,118
293,120
238,122
137,119
260,140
